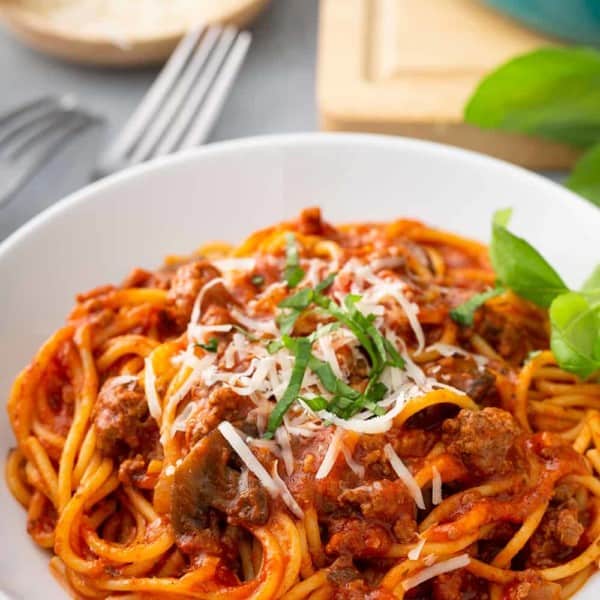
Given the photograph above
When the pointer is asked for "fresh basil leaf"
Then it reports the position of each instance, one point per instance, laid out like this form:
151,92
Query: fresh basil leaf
332,383
245,333
302,356
210,346
502,217
300,300
585,176
367,326
274,346
592,283
292,274
393,359
337,313
323,330
326,283
464,313
257,280
575,337
377,392
286,320
552,92
317,403
521,267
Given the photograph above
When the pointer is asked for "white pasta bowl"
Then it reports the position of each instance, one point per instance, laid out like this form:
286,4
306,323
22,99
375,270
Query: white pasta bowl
226,191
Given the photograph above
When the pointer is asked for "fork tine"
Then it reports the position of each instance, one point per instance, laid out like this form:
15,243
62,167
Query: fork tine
21,126
179,94
34,106
139,120
218,94
28,162
36,131
201,89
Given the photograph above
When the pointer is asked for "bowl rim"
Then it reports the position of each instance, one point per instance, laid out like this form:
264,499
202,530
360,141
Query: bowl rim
426,151
90,192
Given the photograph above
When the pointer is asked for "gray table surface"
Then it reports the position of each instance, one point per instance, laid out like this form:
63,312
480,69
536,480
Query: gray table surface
274,93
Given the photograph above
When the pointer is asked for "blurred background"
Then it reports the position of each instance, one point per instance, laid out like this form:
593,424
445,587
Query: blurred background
406,67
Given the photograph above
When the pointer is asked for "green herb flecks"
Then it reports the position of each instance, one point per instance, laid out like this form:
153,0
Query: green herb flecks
464,314
293,273
210,346
345,401
302,356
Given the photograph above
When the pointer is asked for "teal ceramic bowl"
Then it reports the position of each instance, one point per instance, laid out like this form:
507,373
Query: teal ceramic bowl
575,20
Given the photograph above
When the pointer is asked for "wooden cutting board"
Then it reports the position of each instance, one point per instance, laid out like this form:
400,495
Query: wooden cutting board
118,33
408,67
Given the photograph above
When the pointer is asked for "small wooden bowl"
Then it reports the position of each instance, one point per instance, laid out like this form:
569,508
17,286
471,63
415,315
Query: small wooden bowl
33,24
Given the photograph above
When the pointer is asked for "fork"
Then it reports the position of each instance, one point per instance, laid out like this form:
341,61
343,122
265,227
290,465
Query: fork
182,105
31,134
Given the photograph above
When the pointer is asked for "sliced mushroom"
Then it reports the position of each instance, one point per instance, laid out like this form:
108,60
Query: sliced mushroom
205,485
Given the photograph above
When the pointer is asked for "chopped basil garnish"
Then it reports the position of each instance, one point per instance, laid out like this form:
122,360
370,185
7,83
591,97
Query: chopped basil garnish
302,356
293,274
245,332
326,283
317,403
210,346
464,313
345,400
257,280
274,346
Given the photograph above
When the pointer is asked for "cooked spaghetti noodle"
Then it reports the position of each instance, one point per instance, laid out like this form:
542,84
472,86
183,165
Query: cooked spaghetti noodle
185,436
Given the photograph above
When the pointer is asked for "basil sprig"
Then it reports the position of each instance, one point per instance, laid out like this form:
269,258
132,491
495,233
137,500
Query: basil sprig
520,266
592,283
552,93
574,316
575,338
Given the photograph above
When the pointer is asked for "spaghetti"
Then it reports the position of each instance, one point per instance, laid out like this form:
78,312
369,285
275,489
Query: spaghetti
300,418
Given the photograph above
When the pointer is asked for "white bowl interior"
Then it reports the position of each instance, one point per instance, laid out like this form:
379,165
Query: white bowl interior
225,192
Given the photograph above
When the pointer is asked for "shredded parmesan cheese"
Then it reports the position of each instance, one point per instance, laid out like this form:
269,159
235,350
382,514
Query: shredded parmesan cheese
355,467
150,388
379,424
333,451
124,380
387,262
258,325
234,264
405,475
450,350
197,308
283,439
458,562
239,446
286,495
415,552
180,422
